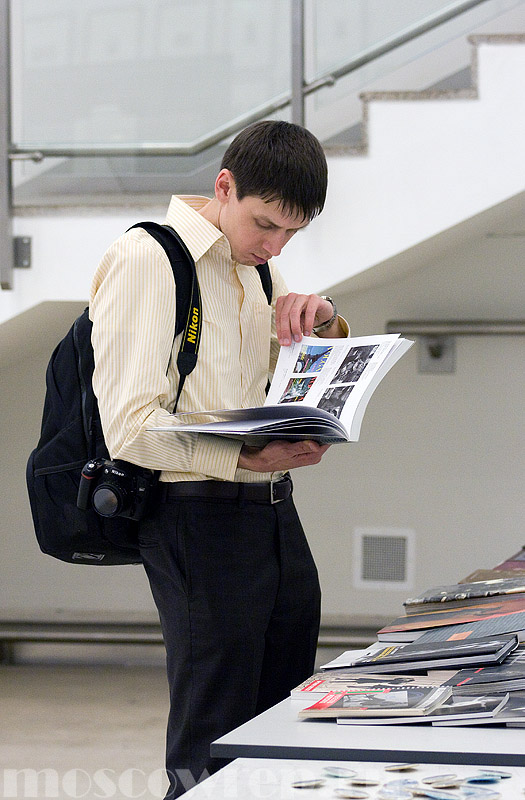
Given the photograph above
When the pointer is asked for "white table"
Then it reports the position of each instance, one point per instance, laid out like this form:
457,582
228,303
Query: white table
277,733
271,779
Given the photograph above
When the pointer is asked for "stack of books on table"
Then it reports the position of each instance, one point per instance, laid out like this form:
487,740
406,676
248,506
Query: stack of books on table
455,657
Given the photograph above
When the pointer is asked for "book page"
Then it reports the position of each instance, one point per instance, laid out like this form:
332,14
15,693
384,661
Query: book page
330,374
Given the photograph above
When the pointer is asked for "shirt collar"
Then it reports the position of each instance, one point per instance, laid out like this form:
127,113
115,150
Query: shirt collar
198,234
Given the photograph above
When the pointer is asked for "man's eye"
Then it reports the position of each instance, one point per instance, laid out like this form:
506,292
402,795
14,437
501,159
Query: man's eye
264,226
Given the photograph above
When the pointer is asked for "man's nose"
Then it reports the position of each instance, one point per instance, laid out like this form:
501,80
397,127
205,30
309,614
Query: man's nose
274,250
274,244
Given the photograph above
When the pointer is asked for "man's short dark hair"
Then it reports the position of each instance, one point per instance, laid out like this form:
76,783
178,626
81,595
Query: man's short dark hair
279,161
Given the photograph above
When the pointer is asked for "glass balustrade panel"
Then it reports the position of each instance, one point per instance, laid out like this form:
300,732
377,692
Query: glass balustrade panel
343,29
126,71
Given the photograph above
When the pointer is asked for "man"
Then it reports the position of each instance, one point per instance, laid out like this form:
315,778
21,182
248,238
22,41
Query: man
229,568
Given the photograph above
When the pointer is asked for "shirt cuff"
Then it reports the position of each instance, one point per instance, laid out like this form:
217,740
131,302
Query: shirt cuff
216,457
344,325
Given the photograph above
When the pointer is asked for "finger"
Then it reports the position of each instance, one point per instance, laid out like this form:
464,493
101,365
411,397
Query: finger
296,316
290,322
281,335
282,319
306,460
281,446
309,313
305,448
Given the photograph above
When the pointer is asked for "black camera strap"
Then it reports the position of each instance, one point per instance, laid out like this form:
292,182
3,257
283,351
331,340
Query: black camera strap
189,347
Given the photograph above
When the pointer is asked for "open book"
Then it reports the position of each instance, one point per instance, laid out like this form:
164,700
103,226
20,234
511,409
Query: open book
320,390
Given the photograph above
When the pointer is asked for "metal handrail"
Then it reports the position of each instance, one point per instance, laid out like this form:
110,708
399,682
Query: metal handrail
465,327
36,152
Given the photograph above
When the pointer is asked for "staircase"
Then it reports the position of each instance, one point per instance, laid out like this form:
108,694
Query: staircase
431,166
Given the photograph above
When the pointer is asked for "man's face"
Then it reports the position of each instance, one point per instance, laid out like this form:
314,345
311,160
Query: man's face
256,229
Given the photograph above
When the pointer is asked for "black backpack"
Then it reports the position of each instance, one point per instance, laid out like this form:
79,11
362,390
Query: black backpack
71,436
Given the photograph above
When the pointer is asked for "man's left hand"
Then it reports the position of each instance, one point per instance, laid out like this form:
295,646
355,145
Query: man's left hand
297,314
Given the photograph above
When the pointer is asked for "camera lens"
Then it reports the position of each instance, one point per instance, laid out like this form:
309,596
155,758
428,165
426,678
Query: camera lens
116,491
106,501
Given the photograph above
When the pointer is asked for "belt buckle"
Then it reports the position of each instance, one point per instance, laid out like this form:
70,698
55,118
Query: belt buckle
273,498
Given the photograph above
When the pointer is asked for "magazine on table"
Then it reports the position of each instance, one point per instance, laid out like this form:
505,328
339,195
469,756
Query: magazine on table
457,708
515,562
320,390
512,567
512,714
508,676
412,700
492,574
347,680
490,626
463,593
486,609
434,655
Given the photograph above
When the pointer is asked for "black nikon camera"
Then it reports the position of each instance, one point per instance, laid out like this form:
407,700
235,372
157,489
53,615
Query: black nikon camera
115,488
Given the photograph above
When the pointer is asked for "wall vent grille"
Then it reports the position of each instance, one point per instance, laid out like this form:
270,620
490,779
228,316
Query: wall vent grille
384,557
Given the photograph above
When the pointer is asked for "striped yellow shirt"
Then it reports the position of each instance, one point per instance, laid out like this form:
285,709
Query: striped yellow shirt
132,306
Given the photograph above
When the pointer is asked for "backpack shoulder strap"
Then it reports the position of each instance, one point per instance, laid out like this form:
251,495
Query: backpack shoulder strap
189,306
81,333
182,264
266,280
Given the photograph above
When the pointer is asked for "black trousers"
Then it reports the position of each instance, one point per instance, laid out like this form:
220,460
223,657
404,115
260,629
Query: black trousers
238,597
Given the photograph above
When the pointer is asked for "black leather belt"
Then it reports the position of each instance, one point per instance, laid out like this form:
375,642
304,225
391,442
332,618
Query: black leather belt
272,492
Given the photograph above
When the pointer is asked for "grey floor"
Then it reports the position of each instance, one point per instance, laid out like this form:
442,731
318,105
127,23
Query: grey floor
89,731
86,729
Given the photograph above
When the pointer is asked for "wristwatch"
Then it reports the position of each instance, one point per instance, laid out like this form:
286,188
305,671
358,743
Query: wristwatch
329,322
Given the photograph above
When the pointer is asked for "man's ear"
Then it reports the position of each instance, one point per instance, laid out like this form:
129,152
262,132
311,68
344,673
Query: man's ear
224,185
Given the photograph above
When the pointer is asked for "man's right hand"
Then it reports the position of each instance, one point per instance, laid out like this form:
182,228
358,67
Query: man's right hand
281,455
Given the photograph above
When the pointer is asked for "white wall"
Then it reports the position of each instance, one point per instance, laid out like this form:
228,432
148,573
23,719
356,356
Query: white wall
66,246
30,581
442,455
